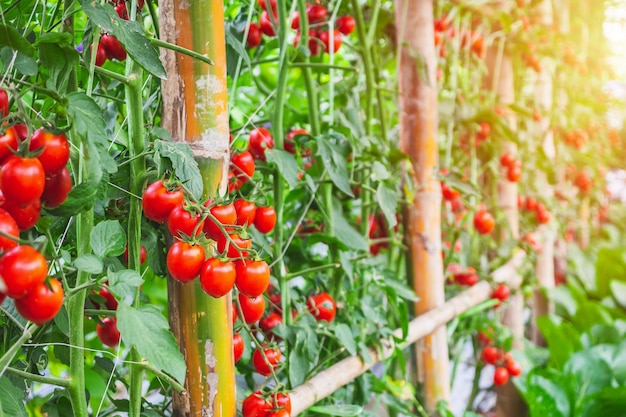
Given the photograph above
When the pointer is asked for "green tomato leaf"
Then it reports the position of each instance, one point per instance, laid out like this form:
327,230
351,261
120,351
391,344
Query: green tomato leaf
89,263
80,198
124,283
147,329
618,291
183,163
286,164
11,37
346,234
59,61
401,289
335,163
237,46
11,399
387,199
108,238
344,334
338,410
298,365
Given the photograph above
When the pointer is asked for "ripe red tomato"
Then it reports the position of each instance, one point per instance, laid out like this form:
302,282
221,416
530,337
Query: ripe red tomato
483,222
322,306
290,144
265,219
513,367
266,25
491,354
315,45
121,10
56,150
246,211
21,270
101,55
8,226
8,143
22,180
42,303
542,214
507,160
143,254
514,172
531,204
109,300
316,13
263,4
467,277
4,103
21,130
184,261
483,131
56,188
267,323
324,36
295,22
448,193
238,346
501,292
107,332
281,401
501,376
217,278
345,24
485,337
264,365
255,405
182,222
260,140
242,164
251,308
158,201
225,214
239,244
25,217
113,47
253,277
254,36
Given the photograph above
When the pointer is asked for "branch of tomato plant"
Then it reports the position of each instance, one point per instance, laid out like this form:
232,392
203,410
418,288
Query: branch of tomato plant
8,356
136,149
160,374
180,49
154,17
60,382
477,372
97,312
110,74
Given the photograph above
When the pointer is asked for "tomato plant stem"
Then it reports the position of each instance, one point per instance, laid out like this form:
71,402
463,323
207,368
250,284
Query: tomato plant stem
59,382
180,49
8,356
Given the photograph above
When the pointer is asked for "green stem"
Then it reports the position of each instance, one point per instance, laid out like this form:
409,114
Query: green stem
136,152
180,49
161,375
8,356
312,269
112,74
477,371
323,66
60,382
307,75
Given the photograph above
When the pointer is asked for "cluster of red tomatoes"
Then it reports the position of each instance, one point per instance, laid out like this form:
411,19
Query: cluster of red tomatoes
259,404
512,166
530,204
462,276
32,171
503,361
109,47
317,15
471,39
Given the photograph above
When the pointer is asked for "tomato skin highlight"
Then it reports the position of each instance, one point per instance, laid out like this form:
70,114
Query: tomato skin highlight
108,333
56,150
158,202
265,219
322,306
260,140
21,270
41,304
217,278
253,277
252,308
22,180
184,261
345,24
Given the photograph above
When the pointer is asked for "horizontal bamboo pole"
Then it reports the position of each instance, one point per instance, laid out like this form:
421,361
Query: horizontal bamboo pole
343,372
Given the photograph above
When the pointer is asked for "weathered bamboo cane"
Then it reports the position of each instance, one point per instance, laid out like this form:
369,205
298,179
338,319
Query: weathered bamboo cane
195,110
418,139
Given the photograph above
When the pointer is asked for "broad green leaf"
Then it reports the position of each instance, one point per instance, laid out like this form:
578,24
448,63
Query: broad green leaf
11,37
335,163
124,283
298,365
344,334
89,263
183,163
611,401
590,313
346,263
610,265
24,64
346,234
286,164
588,373
108,238
454,180
387,199
97,387
11,399
147,329
547,394
562,339
237,46
59,61
618,291
380,172
338,410
402,290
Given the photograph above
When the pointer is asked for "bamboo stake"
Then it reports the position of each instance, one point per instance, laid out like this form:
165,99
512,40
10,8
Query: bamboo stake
418,139
195,110
343,372
545,260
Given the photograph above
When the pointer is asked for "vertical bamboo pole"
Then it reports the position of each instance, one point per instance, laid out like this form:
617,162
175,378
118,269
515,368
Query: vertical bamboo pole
545,260
195,110
418,139
510,403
